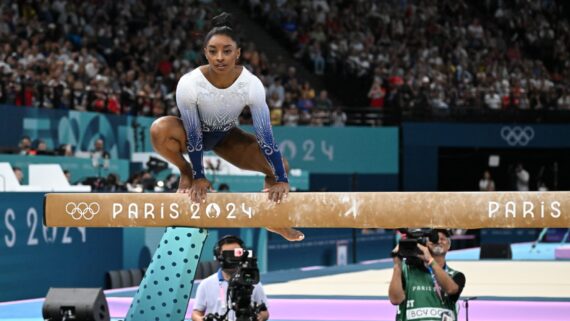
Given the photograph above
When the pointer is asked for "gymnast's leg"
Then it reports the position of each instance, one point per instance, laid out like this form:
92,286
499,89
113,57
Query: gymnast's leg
168,138
242,150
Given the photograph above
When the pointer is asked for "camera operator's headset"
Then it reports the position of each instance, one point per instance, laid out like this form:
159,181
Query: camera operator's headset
228,239
434,238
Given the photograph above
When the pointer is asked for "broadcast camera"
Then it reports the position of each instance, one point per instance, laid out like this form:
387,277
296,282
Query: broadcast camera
240,286
408,247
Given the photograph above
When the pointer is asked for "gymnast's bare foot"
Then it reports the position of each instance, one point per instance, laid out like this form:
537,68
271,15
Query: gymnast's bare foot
290,234
184,184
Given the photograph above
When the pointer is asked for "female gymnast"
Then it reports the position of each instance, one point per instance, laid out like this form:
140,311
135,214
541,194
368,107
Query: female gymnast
210,99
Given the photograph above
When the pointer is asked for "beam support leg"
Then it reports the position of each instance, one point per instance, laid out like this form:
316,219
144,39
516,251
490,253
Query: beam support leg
165,290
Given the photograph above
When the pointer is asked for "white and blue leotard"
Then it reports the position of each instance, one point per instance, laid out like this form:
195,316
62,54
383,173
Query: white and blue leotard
208,113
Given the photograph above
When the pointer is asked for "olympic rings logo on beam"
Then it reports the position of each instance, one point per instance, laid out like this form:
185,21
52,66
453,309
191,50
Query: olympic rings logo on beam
82,210
517,135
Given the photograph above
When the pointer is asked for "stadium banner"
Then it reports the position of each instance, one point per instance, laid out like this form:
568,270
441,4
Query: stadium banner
80,129
327,150
34,258
80,168
362,150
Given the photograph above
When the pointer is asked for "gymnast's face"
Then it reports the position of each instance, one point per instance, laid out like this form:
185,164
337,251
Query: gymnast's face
222,54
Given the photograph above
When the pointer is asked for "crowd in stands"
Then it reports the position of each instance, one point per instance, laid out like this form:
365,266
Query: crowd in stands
435,55
125,57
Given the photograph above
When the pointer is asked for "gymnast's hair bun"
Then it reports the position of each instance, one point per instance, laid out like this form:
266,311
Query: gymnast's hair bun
224,19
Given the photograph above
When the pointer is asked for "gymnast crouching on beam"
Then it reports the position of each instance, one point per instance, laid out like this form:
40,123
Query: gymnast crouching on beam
210,99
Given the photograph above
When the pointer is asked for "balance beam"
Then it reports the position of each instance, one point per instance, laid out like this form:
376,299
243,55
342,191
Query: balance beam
357,210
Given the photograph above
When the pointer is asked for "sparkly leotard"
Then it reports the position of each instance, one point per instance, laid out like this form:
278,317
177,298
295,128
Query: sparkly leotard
208,113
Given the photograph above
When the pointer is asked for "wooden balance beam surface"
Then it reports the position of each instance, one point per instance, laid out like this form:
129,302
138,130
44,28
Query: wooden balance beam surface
359,210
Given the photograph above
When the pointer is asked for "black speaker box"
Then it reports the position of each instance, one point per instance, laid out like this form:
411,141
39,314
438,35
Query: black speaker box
496,251
85,304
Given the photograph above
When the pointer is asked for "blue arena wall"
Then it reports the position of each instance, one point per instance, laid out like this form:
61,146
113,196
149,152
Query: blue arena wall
422,141
321,247
34,258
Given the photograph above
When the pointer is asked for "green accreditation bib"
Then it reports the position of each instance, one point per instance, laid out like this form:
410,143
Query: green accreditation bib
425,300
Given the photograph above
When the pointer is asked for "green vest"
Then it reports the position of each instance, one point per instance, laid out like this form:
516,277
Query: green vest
422,301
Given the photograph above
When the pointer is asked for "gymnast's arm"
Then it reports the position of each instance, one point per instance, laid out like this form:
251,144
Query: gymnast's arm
263,131
188,107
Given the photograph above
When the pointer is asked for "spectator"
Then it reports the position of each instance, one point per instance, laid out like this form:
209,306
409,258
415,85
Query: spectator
316,118
305,103
65,150
276,115
113,184
307,91
564,100
42,148
338,117
134,184
376,94
277,89
26,146
486,183
291,116
19,174
67,174
492,100
147,181
323,101
99,150
274,102
316,56
522,178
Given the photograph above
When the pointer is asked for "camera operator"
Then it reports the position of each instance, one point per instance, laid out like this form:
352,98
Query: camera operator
211,296
424,286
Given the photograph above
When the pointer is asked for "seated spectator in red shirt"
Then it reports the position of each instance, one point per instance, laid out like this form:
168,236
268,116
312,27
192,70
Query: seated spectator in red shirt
26,146
376,94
